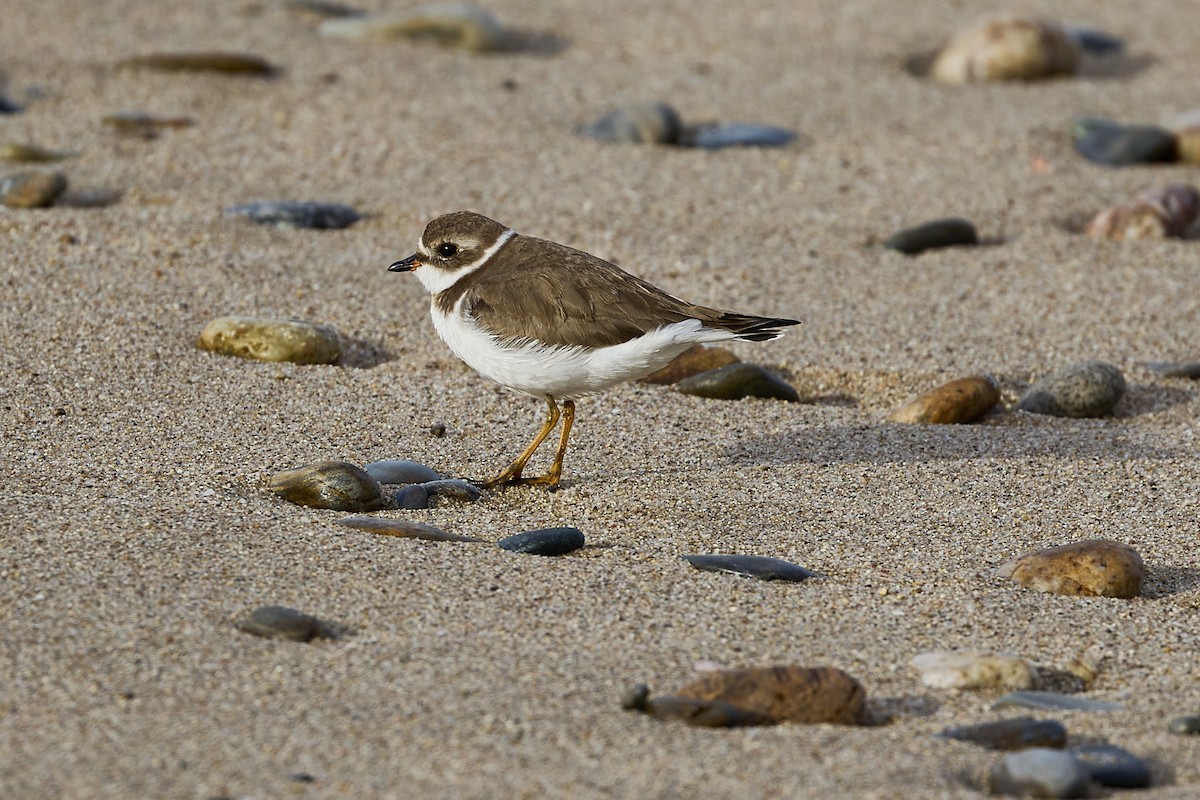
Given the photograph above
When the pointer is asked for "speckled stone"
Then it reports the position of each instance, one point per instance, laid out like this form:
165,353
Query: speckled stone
1053,701
1089,568
204,61
297,214
958,402
544,541
1114,144
400,471
402,528
265,339
458,25
932,235
761,567
1012,734
1086,389
1160,213
974,670
281,622
1113,766
1040,772
336,485
784,693
643,123
1004,49
31,189
736,382
693,361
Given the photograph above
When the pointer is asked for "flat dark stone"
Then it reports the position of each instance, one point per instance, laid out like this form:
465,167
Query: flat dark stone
1176,369
9,107
647,123
400,471
1113,766
703,713
948,232
1053,701
1095,42
737,134
297,214
1116,145
762,567
544,542
281,622
403,528
736,382
1185,726
1012,734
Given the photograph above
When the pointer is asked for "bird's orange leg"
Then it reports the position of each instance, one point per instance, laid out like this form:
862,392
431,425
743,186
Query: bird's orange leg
512,473
551,478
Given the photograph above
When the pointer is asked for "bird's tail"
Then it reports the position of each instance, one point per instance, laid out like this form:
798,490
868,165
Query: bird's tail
754,329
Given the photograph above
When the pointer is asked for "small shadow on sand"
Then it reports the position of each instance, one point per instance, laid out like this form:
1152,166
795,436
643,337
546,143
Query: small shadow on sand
522,41
887,710
364,353
1164,581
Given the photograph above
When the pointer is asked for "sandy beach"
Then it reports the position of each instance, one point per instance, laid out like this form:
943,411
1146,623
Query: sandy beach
138,527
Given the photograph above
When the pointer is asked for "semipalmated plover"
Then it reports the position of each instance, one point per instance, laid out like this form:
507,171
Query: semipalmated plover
549,321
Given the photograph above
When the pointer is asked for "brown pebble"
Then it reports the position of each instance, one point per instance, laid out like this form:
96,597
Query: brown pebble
1091,568
959,401
1159,213
387,526
204,61
31,189
337,485
693,361
784,693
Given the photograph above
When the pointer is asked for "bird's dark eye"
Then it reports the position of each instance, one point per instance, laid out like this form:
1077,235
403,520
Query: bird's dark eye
447,249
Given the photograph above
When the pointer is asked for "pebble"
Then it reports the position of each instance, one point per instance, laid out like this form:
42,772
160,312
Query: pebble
453,489
1012,734
8,106
297,214
281,622
700,713
29,153
31,189
337,485
1154,214
400,471
947,232
1005,49
693,361
736,134
1176,369
762,567
958,402
1089,568
1094,42
210,61
322,8
544,541
1040,772
1187,144
784,693
1185,726
412,497
265,339
643,123
738,381
947,669
459,25
1086,389
147,126
402,528
1114,144
1053,701
1113,766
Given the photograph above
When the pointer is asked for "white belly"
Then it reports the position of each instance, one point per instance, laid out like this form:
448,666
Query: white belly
567,373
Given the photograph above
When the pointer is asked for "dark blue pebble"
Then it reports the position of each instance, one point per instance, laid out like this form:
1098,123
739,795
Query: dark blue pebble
1110,143
1094,42
9,107
738,134
1113,766
299,214
1012,734
544,542
412,497
949,232
762,567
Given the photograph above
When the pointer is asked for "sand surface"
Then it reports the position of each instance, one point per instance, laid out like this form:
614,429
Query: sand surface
137,527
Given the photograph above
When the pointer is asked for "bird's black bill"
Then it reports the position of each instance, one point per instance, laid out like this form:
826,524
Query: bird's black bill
405,265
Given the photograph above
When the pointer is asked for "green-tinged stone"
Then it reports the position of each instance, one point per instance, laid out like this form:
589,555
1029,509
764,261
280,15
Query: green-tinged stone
336,485
451,24
281,622
386,526
29,153
1012,734
31,189
267,339
738,381
204,61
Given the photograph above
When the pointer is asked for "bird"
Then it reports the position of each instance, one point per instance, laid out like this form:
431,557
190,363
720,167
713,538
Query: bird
549,321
